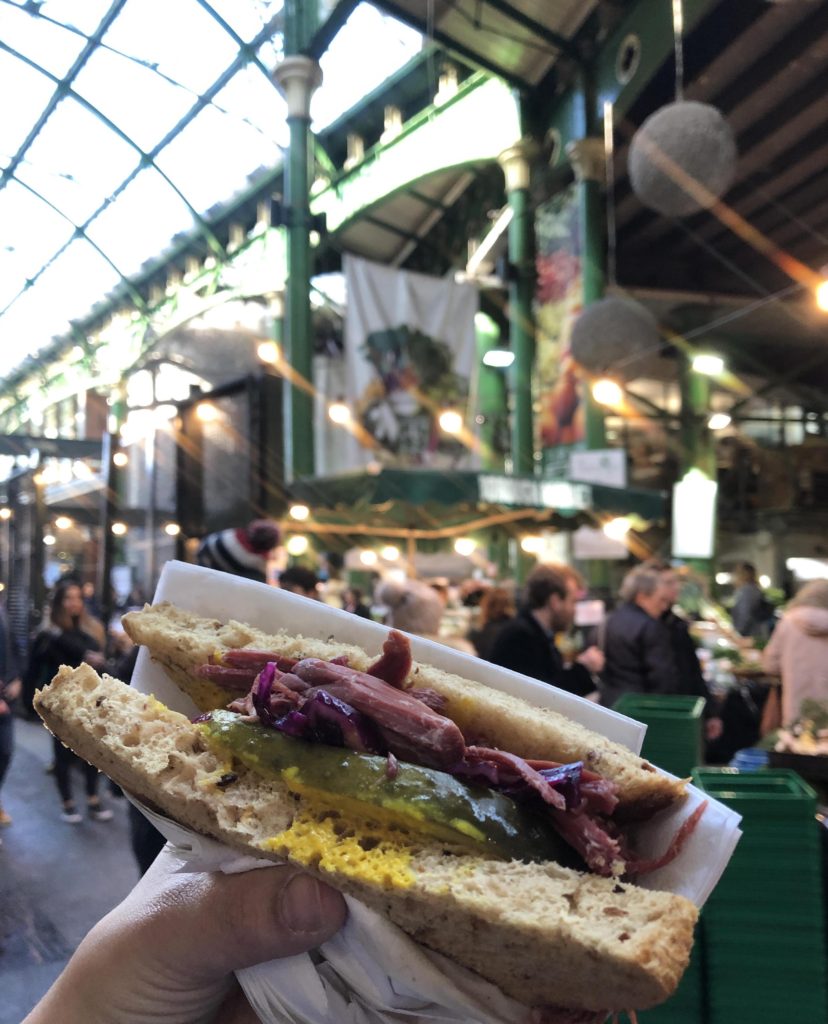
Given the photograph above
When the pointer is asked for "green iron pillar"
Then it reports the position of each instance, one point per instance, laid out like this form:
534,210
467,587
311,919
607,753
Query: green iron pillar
492,408
515,162
298,77
588,162
111,500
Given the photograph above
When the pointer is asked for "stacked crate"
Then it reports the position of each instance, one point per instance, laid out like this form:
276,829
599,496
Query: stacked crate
764,927
674,729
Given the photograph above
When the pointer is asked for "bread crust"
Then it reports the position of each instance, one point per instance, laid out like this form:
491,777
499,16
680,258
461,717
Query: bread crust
546,935
181,641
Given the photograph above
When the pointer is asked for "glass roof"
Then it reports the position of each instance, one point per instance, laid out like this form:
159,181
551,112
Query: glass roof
125,121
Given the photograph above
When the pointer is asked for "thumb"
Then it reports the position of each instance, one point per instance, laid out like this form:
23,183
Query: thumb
267,913
213,924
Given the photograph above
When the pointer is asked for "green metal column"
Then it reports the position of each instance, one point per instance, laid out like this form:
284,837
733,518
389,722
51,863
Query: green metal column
110,503
491,395
587,158
298,77
516,168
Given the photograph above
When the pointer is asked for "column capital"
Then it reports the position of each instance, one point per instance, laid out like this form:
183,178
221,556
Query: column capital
588,159
297,78
516,162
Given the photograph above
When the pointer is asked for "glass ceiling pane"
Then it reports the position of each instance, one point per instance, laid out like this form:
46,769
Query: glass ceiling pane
69,288
370,47
143,104
51,46
77,178
31,234
141,223
213,155
178,37
246,19
31,91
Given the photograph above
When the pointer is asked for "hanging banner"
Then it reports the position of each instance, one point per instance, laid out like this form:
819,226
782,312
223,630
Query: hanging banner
409,356
558,300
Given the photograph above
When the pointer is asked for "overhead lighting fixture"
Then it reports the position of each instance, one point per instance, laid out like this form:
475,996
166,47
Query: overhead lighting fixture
269,352
338,412
207,412
5,513
708,363
482,251
63,523
297,544
120,459
368,557
499,358
390,553
723,578
465,546
532,545
299,512
451,421
607,392
49,539
172,529
618,528
821,296
718,421
119,529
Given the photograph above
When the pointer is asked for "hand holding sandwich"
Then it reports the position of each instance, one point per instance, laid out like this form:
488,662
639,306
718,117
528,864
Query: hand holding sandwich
168,952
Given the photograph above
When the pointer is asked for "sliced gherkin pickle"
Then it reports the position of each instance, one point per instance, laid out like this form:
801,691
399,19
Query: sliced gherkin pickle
423,800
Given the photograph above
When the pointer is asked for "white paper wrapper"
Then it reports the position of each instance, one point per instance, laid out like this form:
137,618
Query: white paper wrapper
372,973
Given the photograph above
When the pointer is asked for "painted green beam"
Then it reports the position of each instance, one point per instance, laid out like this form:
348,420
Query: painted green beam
475,126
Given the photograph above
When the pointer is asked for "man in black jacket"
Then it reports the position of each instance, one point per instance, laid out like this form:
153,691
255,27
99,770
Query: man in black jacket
527,643
637,644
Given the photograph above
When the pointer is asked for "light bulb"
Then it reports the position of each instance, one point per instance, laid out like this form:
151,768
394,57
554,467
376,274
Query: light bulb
368,557
451,421
607,392
172,529
390,553
297,544
120,459
338,412
532,545
821,295
300,512
465,546
499,358
708,363
618,528
718,421
119,529
63,522
269,352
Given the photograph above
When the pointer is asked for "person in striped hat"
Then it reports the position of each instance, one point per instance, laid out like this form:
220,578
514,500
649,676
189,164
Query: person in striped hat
242,551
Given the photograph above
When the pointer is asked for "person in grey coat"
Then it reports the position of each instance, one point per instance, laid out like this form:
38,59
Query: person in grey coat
638,647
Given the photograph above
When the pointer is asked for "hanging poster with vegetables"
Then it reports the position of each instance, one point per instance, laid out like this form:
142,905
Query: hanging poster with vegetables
558,300
409,359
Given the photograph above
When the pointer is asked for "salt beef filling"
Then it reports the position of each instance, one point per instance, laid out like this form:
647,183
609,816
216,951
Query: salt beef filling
372,712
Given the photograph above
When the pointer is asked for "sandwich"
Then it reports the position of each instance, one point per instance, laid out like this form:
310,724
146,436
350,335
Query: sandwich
489,830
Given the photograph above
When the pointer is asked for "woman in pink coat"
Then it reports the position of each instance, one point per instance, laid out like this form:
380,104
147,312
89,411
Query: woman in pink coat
798,649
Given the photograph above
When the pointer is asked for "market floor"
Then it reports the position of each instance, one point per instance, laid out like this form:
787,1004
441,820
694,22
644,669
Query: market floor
56,880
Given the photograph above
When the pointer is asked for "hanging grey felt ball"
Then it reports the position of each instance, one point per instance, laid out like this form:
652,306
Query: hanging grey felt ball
682,159
618,337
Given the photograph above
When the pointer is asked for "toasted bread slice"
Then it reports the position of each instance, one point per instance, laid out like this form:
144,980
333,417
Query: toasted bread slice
545,934
181,641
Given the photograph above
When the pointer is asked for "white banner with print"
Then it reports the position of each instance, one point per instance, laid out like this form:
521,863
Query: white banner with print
410,355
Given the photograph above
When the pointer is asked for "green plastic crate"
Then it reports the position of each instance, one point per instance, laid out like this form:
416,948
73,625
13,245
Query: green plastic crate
674,728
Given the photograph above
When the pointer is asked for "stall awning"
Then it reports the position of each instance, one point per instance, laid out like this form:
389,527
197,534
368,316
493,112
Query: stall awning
472,492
